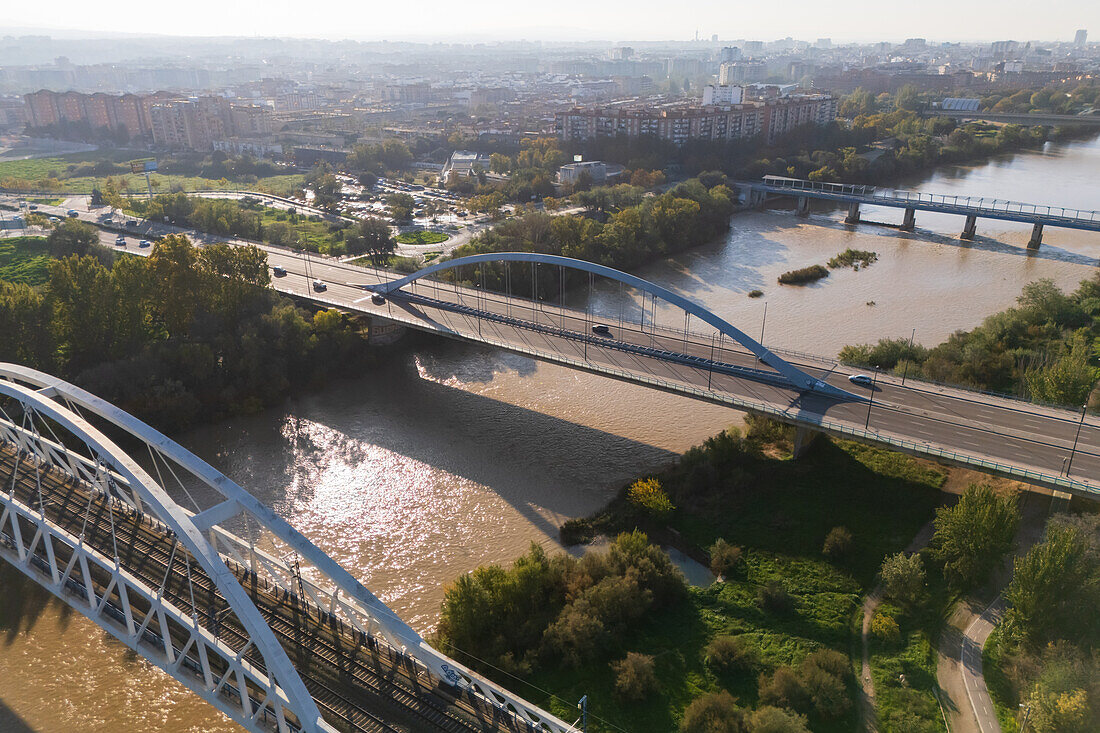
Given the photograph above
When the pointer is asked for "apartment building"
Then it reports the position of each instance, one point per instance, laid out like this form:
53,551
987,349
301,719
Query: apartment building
680,123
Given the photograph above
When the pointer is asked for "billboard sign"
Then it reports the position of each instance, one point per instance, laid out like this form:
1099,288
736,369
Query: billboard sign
144,165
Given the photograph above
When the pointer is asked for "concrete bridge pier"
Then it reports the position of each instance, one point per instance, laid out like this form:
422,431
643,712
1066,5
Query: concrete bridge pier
909,223
383,332
853,213
758,199
1036,236
803,206
969,227
803,439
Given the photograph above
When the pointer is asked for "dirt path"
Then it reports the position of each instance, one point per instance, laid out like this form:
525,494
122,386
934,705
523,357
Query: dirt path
870,603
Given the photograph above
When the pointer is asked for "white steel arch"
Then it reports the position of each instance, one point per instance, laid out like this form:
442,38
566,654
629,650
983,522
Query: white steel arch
270,543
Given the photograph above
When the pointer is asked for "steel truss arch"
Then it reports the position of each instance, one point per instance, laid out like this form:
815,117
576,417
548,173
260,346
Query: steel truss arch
270,537
793,374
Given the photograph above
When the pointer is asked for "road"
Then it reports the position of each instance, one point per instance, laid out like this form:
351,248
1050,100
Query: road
1019,440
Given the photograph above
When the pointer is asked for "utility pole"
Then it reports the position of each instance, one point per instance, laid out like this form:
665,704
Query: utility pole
1069,466
583,706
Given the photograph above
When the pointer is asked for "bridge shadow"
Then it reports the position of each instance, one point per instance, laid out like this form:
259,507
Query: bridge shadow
22,604
11,722
413,407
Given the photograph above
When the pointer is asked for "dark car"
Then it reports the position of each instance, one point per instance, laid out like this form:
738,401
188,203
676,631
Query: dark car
319,286
601,329
278,271
377,299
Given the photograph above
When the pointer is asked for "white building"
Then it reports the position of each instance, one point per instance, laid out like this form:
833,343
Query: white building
722,94
597,170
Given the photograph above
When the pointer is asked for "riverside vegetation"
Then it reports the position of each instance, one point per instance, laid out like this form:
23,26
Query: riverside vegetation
796,543
185,335
1044,349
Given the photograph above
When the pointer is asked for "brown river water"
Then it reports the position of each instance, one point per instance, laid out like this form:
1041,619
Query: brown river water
451,455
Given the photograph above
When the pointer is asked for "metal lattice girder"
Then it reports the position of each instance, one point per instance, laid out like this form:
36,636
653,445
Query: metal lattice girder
798,378
273,550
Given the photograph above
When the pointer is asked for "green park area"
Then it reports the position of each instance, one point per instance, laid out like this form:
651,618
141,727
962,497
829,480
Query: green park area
796,545
24,260
81,172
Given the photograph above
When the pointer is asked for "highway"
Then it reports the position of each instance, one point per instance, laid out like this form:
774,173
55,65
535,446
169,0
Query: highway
1027,442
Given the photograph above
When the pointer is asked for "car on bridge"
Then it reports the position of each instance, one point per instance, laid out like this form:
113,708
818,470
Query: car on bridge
377,299
278,271
601,330
861,379
319,286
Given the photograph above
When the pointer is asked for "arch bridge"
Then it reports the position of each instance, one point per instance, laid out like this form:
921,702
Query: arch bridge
193,573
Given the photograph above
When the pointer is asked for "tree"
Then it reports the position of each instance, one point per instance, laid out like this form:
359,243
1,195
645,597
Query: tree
715,712
400,206
724,558
82,301
635,679
903,578
1070,379
972,536
647,495
726,654
1051,584
326,191
372,237
72,237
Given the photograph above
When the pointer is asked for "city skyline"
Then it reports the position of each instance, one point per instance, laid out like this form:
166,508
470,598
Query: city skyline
843,21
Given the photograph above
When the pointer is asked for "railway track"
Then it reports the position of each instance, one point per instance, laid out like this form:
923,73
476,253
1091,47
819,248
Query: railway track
352,677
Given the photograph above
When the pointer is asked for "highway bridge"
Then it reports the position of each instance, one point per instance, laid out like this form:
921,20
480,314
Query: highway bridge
1019,118
194,574
970,207
706,359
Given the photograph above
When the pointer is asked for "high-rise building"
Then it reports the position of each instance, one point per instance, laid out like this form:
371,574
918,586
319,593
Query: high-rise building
722,94
729,54
824,43
1081,38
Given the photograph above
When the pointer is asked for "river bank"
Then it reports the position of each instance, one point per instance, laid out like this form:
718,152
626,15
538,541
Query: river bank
449,456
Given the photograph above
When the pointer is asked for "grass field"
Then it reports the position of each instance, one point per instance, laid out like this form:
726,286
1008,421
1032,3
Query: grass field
422,236
778,511
31,173
24,260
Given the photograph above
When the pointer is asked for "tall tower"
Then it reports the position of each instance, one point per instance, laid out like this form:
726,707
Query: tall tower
1081,37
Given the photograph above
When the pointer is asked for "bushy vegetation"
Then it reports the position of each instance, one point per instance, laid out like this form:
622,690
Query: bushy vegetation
725,559
557,611
721,638
803,275
688,215
647,495
183,335
974,535
634,676
1044,655
1043,349
854,258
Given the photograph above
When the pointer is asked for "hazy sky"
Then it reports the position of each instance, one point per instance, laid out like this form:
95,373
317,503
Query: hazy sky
480,20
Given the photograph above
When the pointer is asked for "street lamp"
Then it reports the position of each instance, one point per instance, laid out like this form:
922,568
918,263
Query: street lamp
870,402
1069,466
908,356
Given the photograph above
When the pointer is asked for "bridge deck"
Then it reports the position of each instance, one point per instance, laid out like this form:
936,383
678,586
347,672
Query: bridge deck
358,682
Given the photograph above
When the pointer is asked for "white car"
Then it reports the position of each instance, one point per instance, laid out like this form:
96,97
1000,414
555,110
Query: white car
861,379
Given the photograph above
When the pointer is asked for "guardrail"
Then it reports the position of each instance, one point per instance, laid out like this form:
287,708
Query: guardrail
976,204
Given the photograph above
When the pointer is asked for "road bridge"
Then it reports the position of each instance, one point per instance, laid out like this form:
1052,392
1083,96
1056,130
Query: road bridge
1020,118
197,576
970,207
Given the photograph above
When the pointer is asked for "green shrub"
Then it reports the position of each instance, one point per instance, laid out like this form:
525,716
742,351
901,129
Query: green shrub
756,293
803,275
783,689
853,258
728,654
635,678
770,719
903,578
575,532
838,543
724,558
774,598
647,495
885,627
715,712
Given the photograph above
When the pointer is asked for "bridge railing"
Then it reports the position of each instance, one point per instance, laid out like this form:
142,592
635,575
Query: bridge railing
977,204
